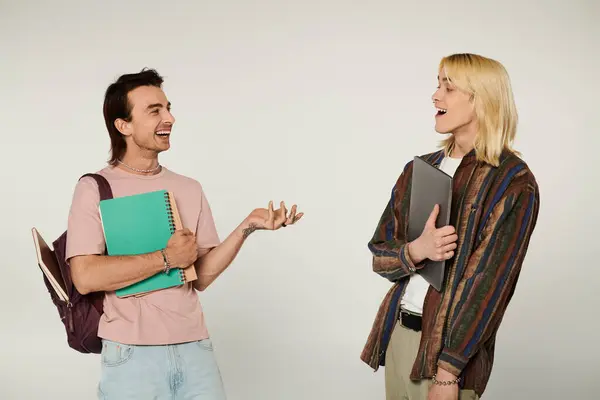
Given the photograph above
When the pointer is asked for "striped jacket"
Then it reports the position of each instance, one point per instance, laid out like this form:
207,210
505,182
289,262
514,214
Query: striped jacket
494,211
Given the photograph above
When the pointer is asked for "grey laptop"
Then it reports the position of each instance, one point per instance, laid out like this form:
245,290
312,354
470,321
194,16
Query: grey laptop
430,186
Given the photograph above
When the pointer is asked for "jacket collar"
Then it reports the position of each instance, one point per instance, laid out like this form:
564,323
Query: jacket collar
437,157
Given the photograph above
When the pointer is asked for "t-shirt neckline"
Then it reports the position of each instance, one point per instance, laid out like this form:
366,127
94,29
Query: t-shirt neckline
121,172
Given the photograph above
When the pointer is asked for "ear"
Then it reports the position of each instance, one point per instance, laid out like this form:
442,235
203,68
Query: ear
123,126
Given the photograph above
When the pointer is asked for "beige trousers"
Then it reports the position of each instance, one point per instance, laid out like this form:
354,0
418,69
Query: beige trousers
401,353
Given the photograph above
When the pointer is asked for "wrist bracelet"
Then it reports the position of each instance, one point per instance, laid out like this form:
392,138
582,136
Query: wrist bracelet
166,261
445,383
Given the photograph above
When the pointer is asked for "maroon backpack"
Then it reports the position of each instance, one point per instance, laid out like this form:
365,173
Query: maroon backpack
81,314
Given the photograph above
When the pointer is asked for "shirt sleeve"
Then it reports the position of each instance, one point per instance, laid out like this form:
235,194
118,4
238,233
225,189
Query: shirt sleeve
206,230
84,230
389,245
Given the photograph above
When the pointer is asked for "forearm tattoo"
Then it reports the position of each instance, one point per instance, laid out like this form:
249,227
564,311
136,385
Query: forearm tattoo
249,230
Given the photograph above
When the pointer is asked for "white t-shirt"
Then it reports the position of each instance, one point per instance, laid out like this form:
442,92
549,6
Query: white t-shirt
417,287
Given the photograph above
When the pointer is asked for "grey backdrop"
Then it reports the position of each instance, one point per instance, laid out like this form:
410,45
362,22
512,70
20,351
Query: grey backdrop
315,102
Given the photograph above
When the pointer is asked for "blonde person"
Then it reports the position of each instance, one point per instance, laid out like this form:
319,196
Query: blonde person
440,345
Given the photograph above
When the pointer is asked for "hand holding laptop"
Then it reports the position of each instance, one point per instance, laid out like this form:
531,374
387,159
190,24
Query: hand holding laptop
436,244
431,240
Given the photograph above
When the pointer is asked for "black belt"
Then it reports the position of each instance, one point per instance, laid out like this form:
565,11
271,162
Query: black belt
409,320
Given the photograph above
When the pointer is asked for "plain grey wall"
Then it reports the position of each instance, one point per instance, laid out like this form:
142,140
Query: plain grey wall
315,102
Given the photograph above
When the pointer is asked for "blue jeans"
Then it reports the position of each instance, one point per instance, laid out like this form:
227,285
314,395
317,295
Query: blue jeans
182,371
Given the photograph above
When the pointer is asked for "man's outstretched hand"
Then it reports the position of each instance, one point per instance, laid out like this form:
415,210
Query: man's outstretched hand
270,219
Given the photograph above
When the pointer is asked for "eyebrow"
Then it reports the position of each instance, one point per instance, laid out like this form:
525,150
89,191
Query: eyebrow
443,79
158,105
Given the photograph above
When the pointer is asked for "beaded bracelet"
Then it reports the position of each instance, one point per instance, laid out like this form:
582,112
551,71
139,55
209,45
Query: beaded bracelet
445,383
166,261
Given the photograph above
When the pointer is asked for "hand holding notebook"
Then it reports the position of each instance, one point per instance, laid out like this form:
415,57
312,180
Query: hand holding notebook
182,249
146,223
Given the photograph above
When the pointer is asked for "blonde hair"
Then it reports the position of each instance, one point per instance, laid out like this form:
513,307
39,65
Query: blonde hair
488,83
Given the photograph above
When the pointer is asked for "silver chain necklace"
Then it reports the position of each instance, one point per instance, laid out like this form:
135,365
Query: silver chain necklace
139,170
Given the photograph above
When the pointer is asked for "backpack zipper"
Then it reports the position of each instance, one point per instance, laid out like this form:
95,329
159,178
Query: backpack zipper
70,317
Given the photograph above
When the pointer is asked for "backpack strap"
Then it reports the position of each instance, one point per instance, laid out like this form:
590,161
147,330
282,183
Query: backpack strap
103,186
106,193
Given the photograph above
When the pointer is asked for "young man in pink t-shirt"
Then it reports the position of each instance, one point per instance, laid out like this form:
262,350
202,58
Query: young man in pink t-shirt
155,346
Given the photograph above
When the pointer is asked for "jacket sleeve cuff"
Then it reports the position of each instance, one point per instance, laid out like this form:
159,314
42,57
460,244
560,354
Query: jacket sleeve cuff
407,263
452,362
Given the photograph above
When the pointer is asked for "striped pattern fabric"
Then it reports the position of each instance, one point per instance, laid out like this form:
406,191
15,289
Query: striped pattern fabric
494,211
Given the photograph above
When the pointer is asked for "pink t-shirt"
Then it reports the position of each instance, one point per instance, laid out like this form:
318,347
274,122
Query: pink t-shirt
163,317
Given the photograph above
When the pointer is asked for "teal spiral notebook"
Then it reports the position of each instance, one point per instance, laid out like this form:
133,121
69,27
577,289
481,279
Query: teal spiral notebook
141,224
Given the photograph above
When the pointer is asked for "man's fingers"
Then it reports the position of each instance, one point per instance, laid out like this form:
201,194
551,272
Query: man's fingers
282,211
445,231
449,247
449,239
184,232
271,211
430,223
292,217
445,255
297,217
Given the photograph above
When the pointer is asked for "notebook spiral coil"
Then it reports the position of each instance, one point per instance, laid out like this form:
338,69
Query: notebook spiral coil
180,273
170,212
172,226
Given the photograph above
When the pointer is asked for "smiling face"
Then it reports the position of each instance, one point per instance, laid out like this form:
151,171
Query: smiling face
149,128
455,111
475,104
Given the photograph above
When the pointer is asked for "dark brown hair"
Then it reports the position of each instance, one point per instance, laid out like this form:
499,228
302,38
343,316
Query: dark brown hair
116,105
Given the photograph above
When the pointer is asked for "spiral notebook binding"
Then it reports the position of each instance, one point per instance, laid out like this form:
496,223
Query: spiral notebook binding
172,225
181,275
170,212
